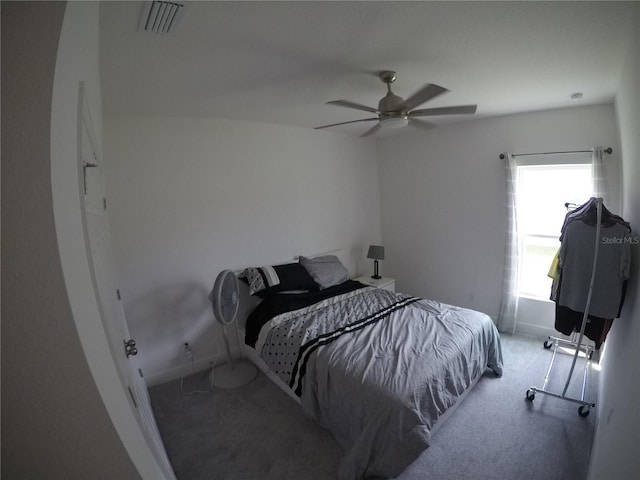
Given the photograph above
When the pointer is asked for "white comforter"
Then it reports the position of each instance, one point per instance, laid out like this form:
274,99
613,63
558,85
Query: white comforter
378,369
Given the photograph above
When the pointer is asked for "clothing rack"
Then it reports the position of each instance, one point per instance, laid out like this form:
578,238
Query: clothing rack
585,406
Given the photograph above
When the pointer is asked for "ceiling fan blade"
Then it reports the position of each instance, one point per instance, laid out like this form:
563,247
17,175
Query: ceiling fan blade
345,123
461,109
414,122
372,130
357,106
426,93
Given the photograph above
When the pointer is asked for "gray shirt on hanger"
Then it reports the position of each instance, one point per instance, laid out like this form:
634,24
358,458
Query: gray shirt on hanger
576,263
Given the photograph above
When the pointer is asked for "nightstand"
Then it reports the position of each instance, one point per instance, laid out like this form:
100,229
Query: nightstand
384,282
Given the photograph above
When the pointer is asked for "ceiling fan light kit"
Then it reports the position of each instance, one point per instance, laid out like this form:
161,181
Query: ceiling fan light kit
394,121
395,112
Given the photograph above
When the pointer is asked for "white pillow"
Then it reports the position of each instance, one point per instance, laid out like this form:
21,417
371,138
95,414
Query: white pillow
326,271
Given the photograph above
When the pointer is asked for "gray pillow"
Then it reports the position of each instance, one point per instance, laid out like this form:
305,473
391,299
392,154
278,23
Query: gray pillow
326,271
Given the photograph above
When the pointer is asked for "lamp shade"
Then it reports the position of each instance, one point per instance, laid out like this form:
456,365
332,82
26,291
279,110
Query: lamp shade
376,252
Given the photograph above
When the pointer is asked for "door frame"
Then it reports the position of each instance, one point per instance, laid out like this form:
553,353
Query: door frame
67,188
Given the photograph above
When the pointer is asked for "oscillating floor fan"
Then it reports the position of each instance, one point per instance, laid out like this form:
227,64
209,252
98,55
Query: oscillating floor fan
225,302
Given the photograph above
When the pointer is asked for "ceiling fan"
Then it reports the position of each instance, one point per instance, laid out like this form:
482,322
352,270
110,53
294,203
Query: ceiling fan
393,111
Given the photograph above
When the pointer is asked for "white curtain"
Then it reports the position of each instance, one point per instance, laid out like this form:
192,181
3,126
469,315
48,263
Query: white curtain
509,304
599,175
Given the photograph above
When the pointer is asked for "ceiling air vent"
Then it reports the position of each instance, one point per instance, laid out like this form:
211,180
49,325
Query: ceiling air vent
160,16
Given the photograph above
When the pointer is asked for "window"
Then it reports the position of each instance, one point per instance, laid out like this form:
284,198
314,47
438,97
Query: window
542,191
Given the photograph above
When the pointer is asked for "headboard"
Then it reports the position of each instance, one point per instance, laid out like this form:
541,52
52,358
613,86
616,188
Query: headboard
248,302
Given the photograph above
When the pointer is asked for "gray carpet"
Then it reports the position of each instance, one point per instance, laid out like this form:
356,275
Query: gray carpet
258,432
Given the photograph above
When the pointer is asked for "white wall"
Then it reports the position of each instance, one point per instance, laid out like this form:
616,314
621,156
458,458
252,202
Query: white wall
443,198
616,448
190,197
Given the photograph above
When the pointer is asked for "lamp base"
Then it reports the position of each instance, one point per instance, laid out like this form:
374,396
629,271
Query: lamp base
375,275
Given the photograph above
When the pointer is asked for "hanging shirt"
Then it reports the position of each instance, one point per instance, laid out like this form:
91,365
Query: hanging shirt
576,262
588,210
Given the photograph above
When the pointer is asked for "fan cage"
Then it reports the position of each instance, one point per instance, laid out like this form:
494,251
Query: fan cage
225,297
225,302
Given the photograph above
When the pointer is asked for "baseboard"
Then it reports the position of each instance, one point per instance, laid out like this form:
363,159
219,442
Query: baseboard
179,371
535,331
542,333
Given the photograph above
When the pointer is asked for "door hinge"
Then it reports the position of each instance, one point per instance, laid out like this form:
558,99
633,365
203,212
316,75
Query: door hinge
118,294
104,203
86,165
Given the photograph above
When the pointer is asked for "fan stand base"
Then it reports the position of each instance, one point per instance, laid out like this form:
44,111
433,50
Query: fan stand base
238,375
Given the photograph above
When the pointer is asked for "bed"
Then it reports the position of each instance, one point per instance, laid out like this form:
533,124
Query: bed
376,368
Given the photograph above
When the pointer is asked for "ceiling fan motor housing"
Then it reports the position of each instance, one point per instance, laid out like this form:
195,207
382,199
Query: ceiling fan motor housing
390,104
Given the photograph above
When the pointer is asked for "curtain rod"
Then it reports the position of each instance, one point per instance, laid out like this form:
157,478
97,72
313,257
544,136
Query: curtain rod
608,150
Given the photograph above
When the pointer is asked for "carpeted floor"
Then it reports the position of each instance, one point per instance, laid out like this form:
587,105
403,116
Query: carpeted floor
257,432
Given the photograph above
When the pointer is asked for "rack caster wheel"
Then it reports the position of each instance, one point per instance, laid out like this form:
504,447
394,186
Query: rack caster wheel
547,344
531,395
584,411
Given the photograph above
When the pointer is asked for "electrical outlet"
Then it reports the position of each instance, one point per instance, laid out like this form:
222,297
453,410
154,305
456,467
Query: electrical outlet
188,354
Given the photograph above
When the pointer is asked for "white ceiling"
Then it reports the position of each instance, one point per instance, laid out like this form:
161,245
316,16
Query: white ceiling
280,62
